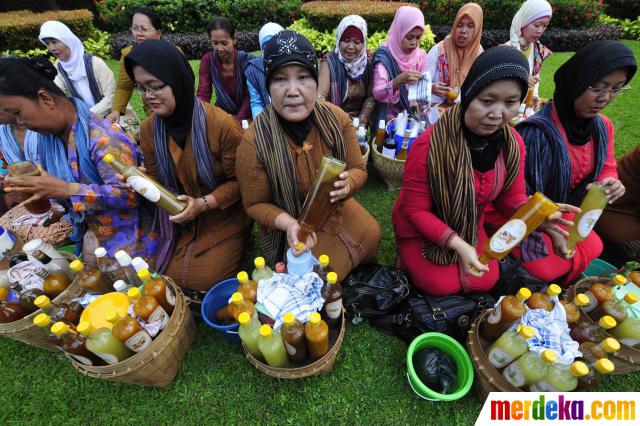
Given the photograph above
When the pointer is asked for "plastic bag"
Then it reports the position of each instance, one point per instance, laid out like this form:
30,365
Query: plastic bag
436,370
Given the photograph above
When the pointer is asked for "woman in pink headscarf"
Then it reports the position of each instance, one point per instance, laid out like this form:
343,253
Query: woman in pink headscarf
398,62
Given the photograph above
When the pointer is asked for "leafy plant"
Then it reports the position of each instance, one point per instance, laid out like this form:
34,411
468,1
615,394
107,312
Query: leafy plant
99,44
630,29
326,15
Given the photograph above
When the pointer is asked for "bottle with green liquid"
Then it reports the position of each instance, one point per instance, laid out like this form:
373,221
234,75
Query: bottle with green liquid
272,347
530,368
249,332
561,378
591,208
509,346
102,343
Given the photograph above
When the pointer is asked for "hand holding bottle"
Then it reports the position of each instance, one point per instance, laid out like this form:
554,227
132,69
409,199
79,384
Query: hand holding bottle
342,188
554,220
195,206
123,181
439,89
41,187
468,257
613,188
284,222
559,244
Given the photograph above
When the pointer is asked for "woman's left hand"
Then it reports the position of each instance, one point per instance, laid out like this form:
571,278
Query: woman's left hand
195,206
40,187
342,188
554,220
559,244
612,187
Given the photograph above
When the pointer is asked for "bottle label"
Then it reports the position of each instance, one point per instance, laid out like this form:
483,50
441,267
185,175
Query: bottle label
543,386
588,221
389,152
108,358
144,187
159,316
291,350
139,341
499,358
495,316
81,359
171,298
508,236
334,309
514,375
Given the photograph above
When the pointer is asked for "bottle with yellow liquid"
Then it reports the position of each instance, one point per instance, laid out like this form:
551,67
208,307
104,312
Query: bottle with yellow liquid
539,300
249,333
591,208
530,368
247,287
509,310
509,346
561,378
262,271
317,333
239,305
272,347
147,187
598,369
381,135
525,220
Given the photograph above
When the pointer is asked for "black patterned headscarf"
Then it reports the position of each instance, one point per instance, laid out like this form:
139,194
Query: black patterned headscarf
287,48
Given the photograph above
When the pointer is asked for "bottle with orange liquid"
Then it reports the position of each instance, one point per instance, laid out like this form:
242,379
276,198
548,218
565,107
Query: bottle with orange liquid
598,293
404,149
509,310
293,336
27,168
591,352
157,287
247,287
147,308
572,309
128,331
381,135
594,332
239,305
540,300
317,334
90,279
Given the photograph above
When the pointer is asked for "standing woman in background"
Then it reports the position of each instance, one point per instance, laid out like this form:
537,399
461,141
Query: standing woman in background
256,80
345,77
223,69
398,62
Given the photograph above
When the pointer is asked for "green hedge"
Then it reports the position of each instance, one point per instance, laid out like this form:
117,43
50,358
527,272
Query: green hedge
44,5
20,29
326,15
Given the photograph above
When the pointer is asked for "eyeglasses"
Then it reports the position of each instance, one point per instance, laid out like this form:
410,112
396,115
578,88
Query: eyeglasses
141,30
149,90
598,91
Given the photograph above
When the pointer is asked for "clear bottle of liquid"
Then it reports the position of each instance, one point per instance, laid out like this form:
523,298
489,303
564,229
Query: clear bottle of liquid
294,339
509,346
74,344
57,311
591,352
598,369
239,305
128,272
158,288
594,332
272,347
102,343
109,267
332,295
361,134
323,267
262,272
247,287
90,279
561,378
572,309
317,333
510,309
381,135
249,332
530,368
128,331
539,300
591,208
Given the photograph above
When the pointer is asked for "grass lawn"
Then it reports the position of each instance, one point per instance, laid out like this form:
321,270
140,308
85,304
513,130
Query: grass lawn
216,384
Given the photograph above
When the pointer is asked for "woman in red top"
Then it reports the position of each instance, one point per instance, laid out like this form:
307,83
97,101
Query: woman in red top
468,160
569,147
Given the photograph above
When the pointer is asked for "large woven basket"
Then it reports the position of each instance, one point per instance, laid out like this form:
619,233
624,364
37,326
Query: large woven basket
391,170
25,331
319,367
158,365
627,359
487,378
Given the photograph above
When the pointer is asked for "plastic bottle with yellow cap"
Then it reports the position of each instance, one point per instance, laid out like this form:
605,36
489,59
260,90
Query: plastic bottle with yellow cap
262,271
509,310
239,305
294,340
129,331
323,267
332,295
509,346
158,288
614,308
592,352
272,347
561,378
74,344
572,308
147,187
530,368
317,333
43,323
601,367
247,287
594,332
618,280
57,311
102,343
591,208
249,332
90,279
628,331
539,300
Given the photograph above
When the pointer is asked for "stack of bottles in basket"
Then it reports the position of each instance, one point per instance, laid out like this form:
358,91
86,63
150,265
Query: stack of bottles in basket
295,343
124,304
611,323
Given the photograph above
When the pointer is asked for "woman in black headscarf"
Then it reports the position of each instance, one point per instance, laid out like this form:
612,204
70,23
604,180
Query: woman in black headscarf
189,146
570,146
281,152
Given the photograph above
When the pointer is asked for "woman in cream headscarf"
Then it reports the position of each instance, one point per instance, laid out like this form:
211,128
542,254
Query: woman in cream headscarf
527,26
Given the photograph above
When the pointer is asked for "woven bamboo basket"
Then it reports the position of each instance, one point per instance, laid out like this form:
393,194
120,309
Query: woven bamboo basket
25,331
319,367
158,365
391,170
365,156
487,378
627,359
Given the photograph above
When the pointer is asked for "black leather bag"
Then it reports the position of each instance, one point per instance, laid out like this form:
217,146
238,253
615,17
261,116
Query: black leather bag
513,277
373,290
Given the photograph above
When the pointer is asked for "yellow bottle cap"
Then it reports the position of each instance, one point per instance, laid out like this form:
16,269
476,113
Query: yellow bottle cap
259,262
4,293
579,369
84,328
243,277
549,356
76,265
42,320
527,332
108,158
299,246
619,279
581,300
332,278
324,260
610,345
315,318
144,274
134,294
604,366
523,294
244,318
265,331
112,316
236,298
554,290
42,301
289,318
59,328
631,298
607,322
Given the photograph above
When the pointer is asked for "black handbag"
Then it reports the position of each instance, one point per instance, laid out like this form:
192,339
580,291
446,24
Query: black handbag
373,290
513,277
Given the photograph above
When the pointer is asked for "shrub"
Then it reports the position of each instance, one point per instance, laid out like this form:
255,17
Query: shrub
624,9
630,29
20,29
253,14
326,15
44,5
99,44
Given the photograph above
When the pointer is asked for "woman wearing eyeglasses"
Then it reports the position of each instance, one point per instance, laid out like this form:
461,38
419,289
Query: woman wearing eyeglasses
145,25
570,146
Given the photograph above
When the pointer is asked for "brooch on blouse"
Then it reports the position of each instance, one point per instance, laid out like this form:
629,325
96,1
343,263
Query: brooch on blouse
306,147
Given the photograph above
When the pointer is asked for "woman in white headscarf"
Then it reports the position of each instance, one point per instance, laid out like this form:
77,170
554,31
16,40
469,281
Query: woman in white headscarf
80,74
527,26
345,76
